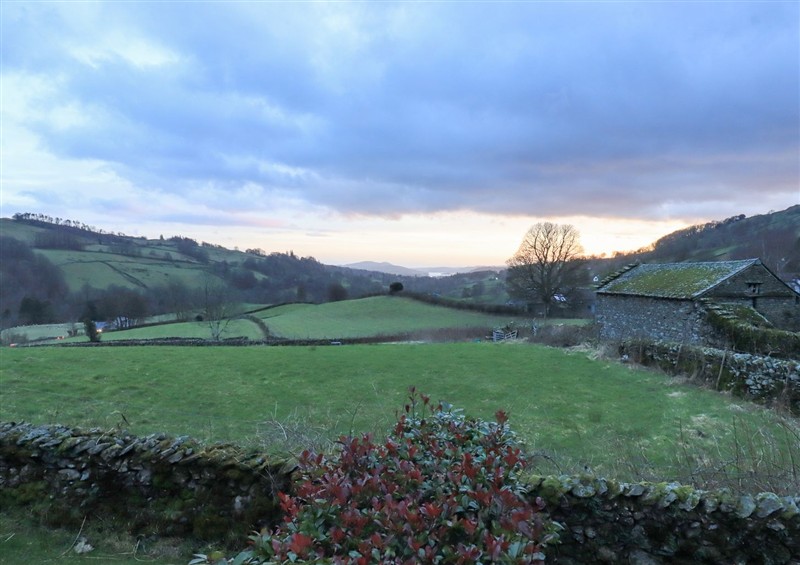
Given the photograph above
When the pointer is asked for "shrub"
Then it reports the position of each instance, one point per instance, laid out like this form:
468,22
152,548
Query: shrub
90,328
442,489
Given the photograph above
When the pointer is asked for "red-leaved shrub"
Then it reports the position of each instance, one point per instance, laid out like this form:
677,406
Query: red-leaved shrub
440,489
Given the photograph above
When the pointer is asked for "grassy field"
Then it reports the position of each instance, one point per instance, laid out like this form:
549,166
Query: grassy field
573,411
102,269
366,317
378,315
23,540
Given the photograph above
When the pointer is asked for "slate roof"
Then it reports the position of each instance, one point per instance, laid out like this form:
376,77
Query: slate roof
673,280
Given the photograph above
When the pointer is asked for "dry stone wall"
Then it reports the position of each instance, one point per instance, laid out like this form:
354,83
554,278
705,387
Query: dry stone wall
767,380
631,317
156,484
175,486
774,299
646,524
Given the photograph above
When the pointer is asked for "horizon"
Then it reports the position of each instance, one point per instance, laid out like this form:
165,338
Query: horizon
422,267
411,133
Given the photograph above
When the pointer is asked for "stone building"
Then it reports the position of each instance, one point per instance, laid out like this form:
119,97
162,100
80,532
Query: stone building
667,302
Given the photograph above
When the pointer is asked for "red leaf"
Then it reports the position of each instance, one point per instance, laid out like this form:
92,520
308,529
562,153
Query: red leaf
300,543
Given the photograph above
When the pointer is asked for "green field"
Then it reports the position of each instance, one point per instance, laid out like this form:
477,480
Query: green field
572,410
375,316
366,317
102,269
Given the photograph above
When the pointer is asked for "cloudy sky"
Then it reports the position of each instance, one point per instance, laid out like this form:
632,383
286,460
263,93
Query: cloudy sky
421,133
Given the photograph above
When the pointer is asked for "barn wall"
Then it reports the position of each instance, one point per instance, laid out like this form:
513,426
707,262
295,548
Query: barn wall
635,317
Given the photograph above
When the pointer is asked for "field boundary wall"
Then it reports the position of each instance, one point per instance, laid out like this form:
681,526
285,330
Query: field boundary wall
155,484
175,486
767,380
652,523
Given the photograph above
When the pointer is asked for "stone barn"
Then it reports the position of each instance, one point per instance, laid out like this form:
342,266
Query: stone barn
667,302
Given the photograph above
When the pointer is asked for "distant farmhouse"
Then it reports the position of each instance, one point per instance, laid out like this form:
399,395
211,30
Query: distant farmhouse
668,302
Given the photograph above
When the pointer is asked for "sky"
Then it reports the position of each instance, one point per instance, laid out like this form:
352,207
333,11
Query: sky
419,133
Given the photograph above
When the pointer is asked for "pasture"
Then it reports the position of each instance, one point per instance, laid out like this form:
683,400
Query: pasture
374,316
572,410
365,317
101,269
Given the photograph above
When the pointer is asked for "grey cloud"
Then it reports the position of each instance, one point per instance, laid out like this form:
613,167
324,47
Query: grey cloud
600,109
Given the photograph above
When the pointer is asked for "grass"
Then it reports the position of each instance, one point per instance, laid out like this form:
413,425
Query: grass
573,411
377,315
24,540
366,317
235,328
102,269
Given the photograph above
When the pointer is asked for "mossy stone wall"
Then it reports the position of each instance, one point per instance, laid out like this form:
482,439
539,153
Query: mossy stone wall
609,522
175,486
154,484
640,317
767,380
774,299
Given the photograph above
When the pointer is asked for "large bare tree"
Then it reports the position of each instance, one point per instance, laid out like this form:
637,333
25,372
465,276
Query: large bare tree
547,264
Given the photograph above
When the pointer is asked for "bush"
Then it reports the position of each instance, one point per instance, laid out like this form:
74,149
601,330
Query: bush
90,328
442,489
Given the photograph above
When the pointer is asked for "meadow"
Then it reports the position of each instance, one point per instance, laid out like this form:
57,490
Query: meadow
366,317
572,410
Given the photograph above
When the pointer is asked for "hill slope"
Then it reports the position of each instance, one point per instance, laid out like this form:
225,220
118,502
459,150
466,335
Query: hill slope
774,238
56,271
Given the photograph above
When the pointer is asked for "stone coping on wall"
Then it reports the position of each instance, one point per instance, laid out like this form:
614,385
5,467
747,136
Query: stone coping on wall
616,522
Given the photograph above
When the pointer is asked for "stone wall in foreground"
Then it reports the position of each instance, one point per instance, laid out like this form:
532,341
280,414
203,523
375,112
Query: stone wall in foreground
175,486
609,522
155,484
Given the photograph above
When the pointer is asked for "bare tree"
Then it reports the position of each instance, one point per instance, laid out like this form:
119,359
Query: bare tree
547,266
218,307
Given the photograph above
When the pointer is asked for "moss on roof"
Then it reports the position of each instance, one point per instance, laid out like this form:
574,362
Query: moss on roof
674,280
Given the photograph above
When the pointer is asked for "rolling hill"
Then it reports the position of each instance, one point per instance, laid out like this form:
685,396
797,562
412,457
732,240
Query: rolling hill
55,270
773,237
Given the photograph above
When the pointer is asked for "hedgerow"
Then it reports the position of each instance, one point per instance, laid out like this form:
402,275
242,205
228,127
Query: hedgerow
440,489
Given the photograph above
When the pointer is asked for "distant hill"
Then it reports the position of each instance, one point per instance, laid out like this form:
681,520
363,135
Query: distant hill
55,270
774,238
384,267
